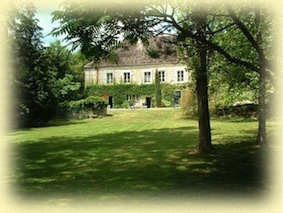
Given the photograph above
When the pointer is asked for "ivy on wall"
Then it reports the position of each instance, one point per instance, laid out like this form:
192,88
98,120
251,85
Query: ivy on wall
120,92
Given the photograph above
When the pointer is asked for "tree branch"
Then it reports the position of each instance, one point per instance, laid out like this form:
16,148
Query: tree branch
189,34
250,38
221,29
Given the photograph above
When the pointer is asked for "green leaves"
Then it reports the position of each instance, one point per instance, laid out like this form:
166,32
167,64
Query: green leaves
89,28
68,87
90,103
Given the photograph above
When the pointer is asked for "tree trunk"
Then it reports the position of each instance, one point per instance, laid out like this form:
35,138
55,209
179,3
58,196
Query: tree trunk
261,134
204,142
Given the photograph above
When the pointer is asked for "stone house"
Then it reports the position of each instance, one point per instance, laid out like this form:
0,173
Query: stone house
137,64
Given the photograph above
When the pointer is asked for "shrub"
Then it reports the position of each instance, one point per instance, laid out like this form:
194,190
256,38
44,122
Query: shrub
158,92
188,102
244,110
166,103
83,107
126,104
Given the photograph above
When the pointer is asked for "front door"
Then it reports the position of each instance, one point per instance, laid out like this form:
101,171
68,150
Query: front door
148,102
110,102
176,97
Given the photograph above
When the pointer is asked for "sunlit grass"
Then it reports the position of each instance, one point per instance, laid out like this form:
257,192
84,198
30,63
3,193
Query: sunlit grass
133,152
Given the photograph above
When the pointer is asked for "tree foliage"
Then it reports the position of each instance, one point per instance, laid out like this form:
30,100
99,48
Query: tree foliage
158,95
42,77
32,77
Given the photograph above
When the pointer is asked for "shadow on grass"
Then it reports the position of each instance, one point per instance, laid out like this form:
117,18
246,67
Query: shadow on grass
235,119
125,164
64,122
52,123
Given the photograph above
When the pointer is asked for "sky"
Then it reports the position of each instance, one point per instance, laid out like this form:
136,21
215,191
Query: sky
44,16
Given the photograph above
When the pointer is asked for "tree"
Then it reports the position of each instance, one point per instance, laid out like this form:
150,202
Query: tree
59,57
261,135
251,32
85,28
260,45
77,62
31,77
157,89
68,83
201,75
43,78
258,62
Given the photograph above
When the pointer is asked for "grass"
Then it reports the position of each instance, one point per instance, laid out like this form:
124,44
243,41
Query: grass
136,153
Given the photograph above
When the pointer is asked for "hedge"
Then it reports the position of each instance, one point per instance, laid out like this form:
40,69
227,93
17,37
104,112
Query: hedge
83,107
245,110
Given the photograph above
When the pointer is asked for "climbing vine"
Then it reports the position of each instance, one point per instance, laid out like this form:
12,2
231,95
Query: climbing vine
120,92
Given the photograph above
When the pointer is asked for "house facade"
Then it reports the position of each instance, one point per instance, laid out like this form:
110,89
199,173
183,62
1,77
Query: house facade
137,74
138,65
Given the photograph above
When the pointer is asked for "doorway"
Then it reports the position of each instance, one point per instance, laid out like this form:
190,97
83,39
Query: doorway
110,102
176,97
148,102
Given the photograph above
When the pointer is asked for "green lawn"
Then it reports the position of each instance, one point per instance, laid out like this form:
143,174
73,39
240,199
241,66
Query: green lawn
136,153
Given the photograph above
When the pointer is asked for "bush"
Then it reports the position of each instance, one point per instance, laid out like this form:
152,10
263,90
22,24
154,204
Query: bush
245,110
166,103
83,107
188,103
126,104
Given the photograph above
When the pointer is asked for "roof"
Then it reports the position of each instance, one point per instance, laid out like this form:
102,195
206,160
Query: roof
157,51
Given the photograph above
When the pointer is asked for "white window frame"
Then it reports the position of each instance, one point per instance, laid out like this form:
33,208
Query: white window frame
129,97
129,79
178,80
147,78
160,77
112,79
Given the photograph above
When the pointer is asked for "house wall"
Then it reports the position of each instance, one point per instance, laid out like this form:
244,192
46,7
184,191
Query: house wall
173,74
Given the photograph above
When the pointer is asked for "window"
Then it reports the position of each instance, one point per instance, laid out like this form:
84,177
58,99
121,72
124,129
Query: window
129,97
109,78
132,97
127,77
135,97
147,77
180,75
161,76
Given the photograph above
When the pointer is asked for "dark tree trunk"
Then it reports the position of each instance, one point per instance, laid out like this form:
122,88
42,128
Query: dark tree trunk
204,143
261,134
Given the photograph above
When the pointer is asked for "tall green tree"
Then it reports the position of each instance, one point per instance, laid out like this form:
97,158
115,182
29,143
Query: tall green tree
256,40
251,32
68,85
158,94
77,63
201,75
31,77
254,55
59,57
